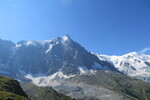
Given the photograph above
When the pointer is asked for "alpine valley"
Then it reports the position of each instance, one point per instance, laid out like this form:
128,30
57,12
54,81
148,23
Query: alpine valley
64,65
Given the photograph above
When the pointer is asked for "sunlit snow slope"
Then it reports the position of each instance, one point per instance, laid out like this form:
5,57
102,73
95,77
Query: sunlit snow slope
132,64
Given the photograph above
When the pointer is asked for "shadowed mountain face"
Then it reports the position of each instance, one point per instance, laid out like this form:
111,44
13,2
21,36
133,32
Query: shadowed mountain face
50,56
6,50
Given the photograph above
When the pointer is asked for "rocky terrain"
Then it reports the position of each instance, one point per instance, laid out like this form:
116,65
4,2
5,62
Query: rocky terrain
70,69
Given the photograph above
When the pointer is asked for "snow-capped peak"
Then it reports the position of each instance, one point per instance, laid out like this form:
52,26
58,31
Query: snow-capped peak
62,40
132,54
136,55
133,64
66,37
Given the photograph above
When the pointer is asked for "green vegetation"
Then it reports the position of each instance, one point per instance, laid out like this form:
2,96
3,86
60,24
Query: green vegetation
10,89
42,93
133,88
10,96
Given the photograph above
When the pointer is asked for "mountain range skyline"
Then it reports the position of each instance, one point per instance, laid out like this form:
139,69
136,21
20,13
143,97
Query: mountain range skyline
72,70
143,51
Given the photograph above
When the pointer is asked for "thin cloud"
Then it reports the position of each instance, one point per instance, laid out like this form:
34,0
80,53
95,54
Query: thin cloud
145,50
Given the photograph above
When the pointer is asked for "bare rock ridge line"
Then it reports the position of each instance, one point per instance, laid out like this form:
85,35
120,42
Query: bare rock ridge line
50,56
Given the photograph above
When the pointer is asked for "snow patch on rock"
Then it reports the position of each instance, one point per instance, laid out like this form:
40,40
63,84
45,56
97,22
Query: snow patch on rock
52,80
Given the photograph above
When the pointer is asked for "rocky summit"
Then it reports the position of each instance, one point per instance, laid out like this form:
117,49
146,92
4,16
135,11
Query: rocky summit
70,69
48,57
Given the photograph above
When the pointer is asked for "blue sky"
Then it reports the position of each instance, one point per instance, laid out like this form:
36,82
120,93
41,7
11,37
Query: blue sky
112,27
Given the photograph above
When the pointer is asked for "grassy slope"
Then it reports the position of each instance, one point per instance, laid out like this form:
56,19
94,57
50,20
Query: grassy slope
42,93
136,89
10,96
10,89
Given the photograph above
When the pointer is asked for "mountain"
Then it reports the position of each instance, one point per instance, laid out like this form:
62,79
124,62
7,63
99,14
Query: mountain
71,70
6,51
10,89
129,89
133,64
42,93
48,57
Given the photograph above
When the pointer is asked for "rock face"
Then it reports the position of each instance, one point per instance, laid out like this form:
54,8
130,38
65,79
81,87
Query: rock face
72,70
10,89
50,56
6,50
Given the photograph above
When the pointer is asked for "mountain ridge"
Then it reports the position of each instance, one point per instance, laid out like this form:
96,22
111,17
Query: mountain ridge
51,56
61,54
133,64
55,62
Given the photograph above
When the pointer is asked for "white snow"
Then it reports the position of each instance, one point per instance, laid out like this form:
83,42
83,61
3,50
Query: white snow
42,43
65,38
18,45
84,71
34,42
53,80
131,64
30,43
50,47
